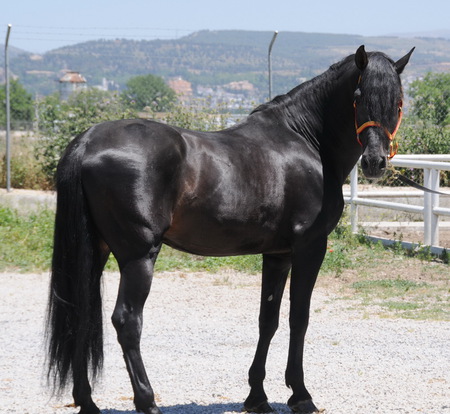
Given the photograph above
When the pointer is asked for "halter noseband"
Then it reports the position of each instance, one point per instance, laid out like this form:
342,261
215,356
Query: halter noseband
393,146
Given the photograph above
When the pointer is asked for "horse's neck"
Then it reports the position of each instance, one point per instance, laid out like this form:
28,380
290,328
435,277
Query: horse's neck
325,117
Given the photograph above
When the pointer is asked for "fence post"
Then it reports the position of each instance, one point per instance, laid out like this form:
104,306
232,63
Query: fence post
353,195
8,114
434,185
430,201
427,207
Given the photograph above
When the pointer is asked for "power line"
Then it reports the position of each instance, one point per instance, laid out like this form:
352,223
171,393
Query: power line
47,34
104,28
97,37
136,32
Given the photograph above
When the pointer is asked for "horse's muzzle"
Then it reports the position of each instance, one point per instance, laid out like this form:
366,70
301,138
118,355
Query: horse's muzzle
373,166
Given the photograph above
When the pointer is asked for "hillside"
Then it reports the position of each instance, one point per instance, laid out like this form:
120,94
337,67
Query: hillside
211,58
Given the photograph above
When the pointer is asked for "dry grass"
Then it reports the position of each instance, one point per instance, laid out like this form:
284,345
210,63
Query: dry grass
25,169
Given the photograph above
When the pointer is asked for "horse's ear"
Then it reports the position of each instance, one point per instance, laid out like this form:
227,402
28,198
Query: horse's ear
361,59
401,63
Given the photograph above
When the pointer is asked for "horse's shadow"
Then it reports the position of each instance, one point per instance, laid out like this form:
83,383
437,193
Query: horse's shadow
194,408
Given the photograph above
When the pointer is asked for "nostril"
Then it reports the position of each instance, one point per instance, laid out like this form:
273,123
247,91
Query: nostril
364,163
373,167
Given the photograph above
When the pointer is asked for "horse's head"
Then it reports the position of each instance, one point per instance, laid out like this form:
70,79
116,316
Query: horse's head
378,108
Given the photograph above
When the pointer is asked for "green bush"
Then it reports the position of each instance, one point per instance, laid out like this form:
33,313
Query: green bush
427,129
421,137
21,105
431,99
60,121
199,115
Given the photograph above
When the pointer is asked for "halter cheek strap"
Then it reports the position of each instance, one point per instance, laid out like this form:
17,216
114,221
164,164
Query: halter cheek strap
393,146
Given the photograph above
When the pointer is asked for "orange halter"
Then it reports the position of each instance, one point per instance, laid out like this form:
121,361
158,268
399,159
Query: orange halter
393,146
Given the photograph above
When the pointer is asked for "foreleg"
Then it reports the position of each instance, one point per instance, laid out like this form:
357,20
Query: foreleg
275,272
305,267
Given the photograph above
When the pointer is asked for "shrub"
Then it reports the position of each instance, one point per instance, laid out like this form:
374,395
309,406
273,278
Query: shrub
26,171
61,121
198,116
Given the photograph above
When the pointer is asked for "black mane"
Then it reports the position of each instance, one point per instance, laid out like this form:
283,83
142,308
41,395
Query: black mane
377,66
318,81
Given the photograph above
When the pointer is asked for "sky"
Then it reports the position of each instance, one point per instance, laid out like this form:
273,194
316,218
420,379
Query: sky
39,26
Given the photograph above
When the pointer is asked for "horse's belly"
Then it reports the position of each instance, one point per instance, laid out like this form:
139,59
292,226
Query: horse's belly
209,236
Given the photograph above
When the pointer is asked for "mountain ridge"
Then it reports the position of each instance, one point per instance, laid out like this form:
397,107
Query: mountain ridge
212,58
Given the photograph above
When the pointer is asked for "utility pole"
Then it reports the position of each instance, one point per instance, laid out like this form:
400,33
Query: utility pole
8,115
275,34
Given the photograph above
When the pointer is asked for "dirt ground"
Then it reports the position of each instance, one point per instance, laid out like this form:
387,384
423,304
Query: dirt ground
199,337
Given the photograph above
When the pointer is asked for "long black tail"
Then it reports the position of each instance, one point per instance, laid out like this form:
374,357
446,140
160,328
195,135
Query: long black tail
74,320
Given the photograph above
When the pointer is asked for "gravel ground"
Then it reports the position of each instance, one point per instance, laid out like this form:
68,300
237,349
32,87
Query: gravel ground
199,337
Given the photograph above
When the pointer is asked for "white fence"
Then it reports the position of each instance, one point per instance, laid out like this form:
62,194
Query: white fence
431,165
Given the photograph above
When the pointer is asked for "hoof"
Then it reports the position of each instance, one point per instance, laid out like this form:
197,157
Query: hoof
303,407
263,407
151,410
89,409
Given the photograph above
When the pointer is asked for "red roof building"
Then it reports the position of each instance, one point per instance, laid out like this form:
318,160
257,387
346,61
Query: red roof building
71,82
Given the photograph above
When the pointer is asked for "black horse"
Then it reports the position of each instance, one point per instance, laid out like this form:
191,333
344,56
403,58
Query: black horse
271,185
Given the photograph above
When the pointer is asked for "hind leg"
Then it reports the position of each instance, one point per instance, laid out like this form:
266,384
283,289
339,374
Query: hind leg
82,392
135,282
131,189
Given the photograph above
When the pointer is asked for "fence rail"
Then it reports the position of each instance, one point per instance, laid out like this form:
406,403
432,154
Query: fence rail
431,165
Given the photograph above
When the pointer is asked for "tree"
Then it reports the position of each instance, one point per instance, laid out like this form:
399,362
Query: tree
21,104
148,91
431,98
426,129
